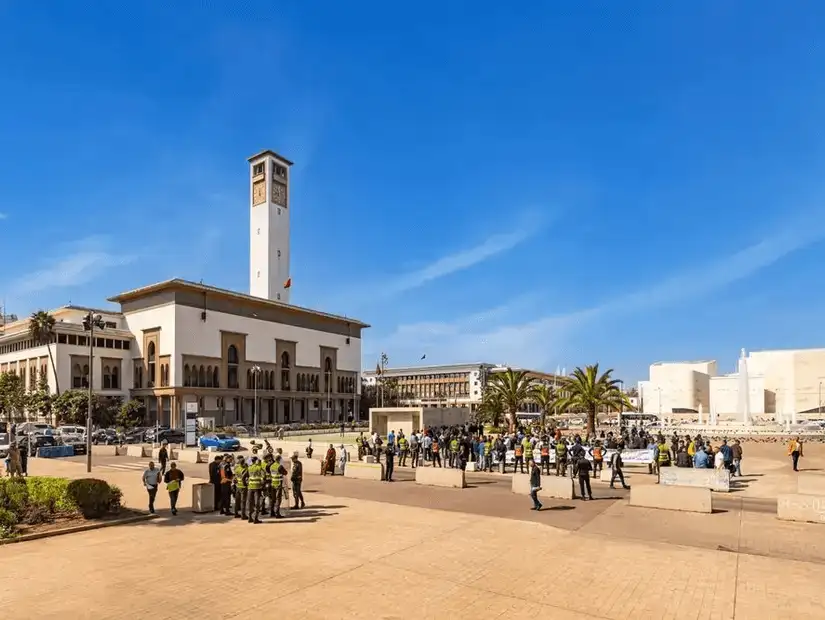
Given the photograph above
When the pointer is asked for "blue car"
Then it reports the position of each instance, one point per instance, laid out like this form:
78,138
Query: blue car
219,441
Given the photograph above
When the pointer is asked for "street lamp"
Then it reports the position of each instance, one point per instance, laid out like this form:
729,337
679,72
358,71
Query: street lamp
256,371
90,321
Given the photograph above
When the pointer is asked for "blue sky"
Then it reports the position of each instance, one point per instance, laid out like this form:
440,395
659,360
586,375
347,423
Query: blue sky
549,185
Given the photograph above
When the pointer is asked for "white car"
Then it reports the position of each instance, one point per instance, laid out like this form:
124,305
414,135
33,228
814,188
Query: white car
5,444
71,434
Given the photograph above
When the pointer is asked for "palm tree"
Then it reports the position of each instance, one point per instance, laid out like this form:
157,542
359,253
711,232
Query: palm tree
512,387
41,329
586,390
491,408
546,398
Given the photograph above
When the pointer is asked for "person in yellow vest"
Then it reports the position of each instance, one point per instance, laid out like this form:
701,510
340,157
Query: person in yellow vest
561,457
403,449
266,492
662,454
518,457
488,454
691,449
255,483
240,479
454,452
173,479
277,472
795,451
528,450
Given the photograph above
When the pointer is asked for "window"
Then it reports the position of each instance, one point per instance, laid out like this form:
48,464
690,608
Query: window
72,339
138,378
186,377
327,374
280,170
285,371
81,340
202,377
85,375
215,382
110,325
209,376
115,378
232,367
110,344
77,376
150,366
61,338
257,169
100,342
249,379
126,345
107,378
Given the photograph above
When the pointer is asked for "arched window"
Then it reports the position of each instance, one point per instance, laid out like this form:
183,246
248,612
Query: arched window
232,366
327,373
150,358
166,375
301,379
187,380
285,371
215,381
85,375
77,376
209,376
107,378
248,378
202,377
115,378
271,379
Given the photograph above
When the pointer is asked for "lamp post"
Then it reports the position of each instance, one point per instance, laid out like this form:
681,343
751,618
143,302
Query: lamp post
256,371
90,321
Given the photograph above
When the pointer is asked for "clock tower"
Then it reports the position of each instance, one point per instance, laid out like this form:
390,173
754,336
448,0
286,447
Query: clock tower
269,275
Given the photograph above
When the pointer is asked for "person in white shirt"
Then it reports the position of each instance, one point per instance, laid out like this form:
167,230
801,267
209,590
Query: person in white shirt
718,459
343,457
151,479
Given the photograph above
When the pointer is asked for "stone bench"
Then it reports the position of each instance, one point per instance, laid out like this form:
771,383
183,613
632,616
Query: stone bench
136,451
682,499
556,487
203,497
810,484
711,479
104,450
191,455
364,471
799,507
440,477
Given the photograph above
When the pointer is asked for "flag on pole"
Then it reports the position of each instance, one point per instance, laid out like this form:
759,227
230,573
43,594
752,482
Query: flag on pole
288,283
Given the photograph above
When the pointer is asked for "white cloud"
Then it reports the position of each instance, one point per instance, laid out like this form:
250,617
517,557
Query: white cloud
538,342
453,263
3,216
82,262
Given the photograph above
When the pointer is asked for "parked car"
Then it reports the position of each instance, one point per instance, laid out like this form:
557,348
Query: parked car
170,436
241,429
37,439
5,444
27,428
219,441
150,432
70,433
106,436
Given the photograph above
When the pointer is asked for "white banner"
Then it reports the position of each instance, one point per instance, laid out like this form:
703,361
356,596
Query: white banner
629,457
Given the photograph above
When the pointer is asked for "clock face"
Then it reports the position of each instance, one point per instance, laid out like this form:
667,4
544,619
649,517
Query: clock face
279,193
258,193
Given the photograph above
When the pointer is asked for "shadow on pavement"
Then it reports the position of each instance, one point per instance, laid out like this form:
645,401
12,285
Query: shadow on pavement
311,514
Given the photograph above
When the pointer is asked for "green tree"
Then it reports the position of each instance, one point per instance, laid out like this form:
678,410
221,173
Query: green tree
491,408
40,401
12,396
131,414
588,391
546,398
513,388
41,330
72,407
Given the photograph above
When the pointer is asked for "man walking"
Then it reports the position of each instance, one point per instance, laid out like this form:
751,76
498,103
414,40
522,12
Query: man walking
535,484
736,450
215,479
616,465
297,478
414,449
151,479
173,480
390,463
163,457
795,451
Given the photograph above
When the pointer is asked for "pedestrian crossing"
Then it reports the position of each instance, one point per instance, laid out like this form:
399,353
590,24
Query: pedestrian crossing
122,466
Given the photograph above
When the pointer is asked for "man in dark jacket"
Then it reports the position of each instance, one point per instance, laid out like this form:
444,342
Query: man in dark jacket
215,479
296,476
535,484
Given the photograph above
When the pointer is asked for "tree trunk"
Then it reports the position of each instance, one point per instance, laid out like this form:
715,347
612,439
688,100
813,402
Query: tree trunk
511,421
54,368
591,422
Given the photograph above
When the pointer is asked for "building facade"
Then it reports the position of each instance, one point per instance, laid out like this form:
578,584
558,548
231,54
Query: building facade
447,385
180,346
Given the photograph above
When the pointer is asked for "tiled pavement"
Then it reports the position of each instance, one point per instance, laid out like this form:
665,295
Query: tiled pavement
348,558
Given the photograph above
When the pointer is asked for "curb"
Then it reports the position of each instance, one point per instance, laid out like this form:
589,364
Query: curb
78,528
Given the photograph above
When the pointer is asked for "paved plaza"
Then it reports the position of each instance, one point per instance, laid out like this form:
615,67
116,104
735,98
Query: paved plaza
379,550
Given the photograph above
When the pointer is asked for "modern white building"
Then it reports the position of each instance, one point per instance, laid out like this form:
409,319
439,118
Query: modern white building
181,346
780,385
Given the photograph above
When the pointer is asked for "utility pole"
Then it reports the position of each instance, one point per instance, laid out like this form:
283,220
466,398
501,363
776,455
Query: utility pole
90,321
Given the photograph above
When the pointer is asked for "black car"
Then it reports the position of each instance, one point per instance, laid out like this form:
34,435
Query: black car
170,436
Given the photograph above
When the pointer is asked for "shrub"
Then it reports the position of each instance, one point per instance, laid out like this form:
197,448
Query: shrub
34,514
93,497
50,493
115,499
7,522
14,494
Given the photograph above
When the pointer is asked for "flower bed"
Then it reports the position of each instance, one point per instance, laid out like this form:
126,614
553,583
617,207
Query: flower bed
29,505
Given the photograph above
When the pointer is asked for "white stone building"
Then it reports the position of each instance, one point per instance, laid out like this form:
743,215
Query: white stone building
179,345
